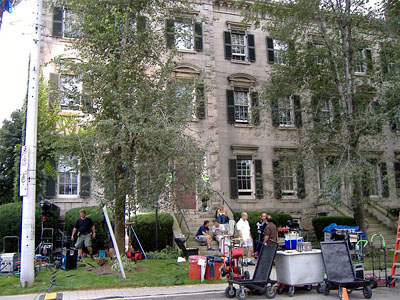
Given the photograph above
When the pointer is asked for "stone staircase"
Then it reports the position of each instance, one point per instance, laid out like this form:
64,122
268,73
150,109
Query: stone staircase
194,221
376,226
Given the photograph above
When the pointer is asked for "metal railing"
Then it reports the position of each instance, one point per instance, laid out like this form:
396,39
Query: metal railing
225,203
181,218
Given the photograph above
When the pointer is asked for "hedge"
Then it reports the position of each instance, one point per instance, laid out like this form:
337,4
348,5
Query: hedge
319,223
10,225
101,241
254,216
145,230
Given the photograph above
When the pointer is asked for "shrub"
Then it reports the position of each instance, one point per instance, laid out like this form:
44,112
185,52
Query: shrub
254,216
10,225
127,264
145,230
166,253
101,241
319,223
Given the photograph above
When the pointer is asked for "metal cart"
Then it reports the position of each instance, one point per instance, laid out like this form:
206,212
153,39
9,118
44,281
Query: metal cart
260,283
296,269
340,271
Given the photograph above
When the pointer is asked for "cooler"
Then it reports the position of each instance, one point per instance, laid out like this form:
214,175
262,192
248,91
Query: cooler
194,268
69,259
291,240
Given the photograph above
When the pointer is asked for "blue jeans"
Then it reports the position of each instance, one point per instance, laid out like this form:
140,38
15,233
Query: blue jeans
221,219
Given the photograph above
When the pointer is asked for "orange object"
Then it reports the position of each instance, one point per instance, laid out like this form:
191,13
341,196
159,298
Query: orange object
194,268
237,252
396,264
345,295
217,273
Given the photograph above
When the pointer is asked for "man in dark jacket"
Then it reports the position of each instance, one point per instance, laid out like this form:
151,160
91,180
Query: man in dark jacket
86,231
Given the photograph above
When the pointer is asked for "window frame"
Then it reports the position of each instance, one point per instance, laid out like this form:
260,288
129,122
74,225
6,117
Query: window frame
246,193
276,50
290,109
287,165
78,85
239,56
237,105
76,173
361,58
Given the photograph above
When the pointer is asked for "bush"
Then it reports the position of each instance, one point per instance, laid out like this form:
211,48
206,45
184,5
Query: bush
102,240
254,216
10,225
166,253
319,223
145,230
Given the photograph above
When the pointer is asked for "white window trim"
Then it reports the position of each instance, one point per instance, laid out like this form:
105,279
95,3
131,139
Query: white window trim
290,193
292,114
66,196
235,56
237,89
253,182
67,108
180,40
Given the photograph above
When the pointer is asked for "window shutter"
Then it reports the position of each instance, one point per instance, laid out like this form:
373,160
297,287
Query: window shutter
228,44
255,111
397,176
141,23
198,37
233,179
275,113
53,89
200,102
301,186
297,111
231,106
57,21
368,55
252,47
270,50
50,182
315,109
277,179
85,181
170,33
385,180
259,179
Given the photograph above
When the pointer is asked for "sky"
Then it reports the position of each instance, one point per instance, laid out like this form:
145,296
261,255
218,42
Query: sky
16,35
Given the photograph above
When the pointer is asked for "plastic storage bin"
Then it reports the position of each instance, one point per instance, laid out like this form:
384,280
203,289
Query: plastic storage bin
194,268
217,261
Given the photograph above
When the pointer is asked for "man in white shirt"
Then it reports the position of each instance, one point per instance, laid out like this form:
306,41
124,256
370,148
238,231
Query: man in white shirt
243,229
218,231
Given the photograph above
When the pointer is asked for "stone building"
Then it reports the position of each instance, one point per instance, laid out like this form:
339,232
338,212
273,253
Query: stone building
233,60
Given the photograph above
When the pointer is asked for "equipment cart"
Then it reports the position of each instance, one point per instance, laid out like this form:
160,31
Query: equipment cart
260,283
296,269
340,271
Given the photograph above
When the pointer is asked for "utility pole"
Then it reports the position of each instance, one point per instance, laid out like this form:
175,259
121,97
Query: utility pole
28,204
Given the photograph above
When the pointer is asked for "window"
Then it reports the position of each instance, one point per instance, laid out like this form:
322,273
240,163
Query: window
192,93
286,112
63,19
389,65
363,59
288,178
239,45
241,106
245,177
329,180
276,51
184,34
68,176
395,122
375,181
327,111
70,89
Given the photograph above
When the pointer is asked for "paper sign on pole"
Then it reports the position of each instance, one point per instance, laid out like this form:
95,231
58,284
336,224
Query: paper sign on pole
23,172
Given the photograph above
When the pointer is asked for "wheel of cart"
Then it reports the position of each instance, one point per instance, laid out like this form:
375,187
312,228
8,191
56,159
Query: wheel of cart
261,282
339,270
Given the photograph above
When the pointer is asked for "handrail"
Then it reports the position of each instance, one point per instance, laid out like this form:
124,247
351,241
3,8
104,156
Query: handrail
182,218
224,202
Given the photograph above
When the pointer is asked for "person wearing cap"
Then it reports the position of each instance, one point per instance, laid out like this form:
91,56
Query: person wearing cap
86,231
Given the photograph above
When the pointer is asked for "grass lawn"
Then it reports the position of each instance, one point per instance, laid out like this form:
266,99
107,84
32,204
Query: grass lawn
152,272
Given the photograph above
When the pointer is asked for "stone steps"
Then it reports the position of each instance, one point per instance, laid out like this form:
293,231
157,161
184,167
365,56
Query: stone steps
375,226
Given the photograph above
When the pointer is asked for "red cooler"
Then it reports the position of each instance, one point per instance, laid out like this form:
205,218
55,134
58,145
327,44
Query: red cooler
194,268
217,267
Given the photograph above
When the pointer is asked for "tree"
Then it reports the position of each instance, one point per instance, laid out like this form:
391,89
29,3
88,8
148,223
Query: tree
326,57
11,140
136,134
10,143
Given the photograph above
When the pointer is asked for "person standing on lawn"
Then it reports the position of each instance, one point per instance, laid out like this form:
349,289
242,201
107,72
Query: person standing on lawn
270,233
243,229
86,231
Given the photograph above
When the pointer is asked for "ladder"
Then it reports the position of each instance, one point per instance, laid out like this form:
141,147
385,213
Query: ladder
395,257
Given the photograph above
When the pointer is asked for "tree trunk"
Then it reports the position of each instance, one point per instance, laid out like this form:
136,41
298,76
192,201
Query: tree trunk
358,207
